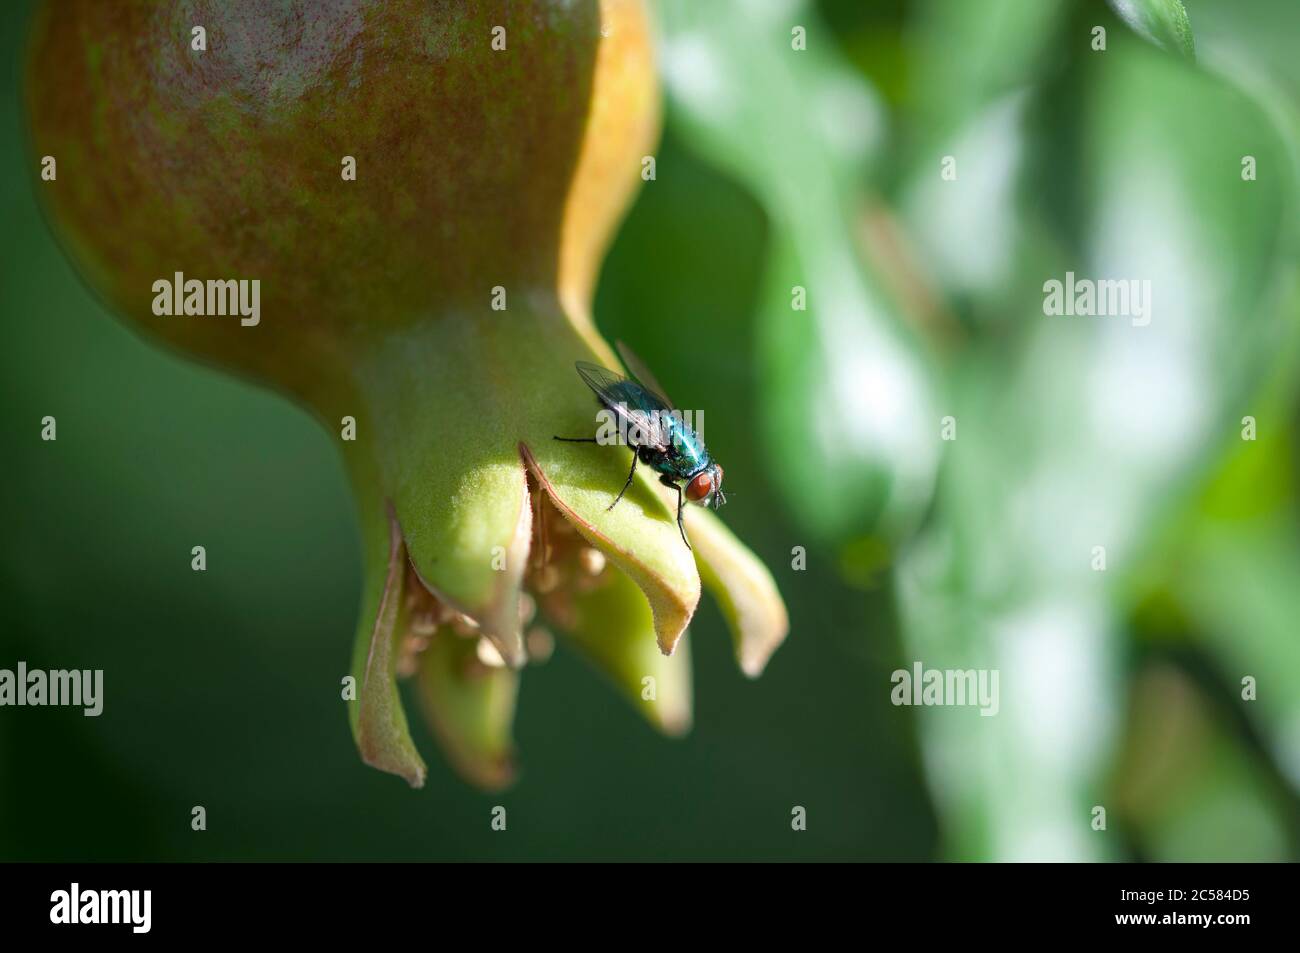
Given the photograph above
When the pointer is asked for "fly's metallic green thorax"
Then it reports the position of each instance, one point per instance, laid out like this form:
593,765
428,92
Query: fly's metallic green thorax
687,454
658,436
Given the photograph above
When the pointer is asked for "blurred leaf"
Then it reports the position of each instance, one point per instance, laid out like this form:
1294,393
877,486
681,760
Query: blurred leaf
968,55
1253,43
761,91
1234,567
1240,585
1163,22
975,63
1088,432
1184,786
1260,31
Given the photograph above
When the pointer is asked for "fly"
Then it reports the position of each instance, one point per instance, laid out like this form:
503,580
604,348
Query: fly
658,435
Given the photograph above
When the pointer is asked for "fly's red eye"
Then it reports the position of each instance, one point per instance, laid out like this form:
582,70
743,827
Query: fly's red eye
700,487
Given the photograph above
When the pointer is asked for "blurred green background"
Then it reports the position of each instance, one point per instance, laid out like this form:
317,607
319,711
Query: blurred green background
779,167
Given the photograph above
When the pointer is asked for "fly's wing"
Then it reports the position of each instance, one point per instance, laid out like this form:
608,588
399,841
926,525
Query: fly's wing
641,372
635,405
644,375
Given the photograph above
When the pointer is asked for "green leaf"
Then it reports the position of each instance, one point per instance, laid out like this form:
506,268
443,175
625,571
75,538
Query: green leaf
1185,788
760,91
1239,584
967,55
964,145
1232,568
1252,42
1163,22
1092,431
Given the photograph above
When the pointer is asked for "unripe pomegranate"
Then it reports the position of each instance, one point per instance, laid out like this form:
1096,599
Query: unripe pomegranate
422,193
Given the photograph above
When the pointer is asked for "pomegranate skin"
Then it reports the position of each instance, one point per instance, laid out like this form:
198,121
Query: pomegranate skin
475,167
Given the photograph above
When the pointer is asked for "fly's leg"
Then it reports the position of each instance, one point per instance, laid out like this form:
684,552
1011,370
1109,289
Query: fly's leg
631,473
681,504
